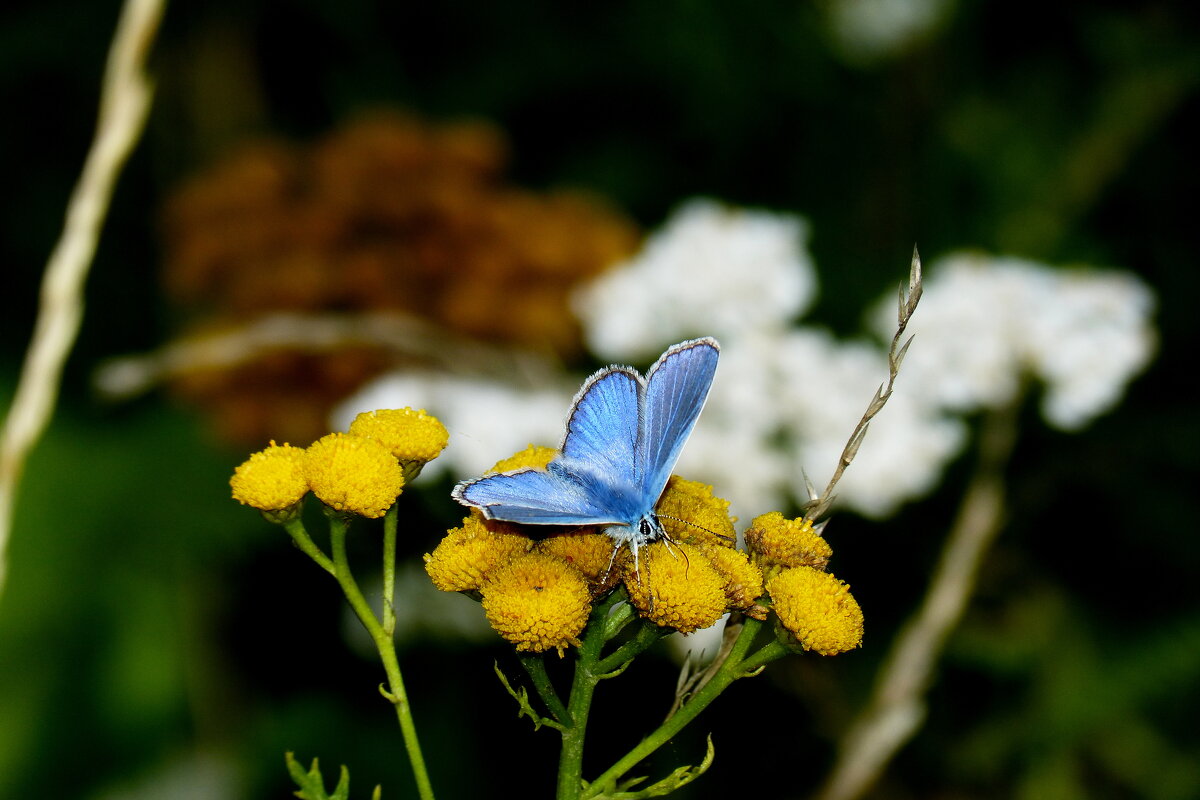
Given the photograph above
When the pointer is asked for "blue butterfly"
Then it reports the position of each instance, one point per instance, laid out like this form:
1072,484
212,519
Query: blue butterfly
624,435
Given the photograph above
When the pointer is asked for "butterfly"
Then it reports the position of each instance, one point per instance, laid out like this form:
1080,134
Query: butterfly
624,434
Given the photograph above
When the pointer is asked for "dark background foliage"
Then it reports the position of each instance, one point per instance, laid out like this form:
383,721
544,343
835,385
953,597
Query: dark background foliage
148,619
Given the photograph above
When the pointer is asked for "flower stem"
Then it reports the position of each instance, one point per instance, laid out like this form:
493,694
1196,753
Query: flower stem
389,570
535,666
299,534
737,665
570,762
384,643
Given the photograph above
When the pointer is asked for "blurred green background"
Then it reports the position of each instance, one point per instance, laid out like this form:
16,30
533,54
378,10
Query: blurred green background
156,640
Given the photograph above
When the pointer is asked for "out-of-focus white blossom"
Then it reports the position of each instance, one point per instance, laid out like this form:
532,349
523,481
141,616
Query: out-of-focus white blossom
711,271
986,323
487,420
825,387
785,399
870,30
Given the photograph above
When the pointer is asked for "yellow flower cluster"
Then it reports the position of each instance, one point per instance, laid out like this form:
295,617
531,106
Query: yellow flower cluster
361,472
815,609
531,588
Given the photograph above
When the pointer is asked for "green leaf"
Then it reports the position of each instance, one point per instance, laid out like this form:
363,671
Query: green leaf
312,784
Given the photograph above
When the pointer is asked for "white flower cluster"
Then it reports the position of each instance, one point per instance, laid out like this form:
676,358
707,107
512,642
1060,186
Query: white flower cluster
711,271
986,324
785,399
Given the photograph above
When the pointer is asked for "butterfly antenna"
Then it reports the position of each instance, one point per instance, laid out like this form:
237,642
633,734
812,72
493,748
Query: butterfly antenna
730,539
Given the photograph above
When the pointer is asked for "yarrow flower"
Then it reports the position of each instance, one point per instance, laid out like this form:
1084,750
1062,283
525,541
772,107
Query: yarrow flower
271,480
537,601
817,610
353,474
987,322
414,437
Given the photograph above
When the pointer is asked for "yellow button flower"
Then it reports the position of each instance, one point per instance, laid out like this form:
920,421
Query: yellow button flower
743,582
775,542
817,609
705,518
590,553
466,556
271,479
534,456
676,586
414,437
353,473
537,601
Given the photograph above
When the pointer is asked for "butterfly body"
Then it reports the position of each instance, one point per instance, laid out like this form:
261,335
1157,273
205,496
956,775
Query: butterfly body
624,434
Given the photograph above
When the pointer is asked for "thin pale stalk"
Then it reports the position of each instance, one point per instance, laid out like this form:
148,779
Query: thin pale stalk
387,653
124,103
897,708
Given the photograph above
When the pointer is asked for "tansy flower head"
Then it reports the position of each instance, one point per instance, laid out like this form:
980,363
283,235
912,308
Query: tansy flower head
776,542
705,517
353,473
675,586
466,556
534,456
414,437
537,601
817,610
743,582
271,480
589,552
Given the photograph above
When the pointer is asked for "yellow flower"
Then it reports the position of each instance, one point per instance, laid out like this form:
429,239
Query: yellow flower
414,437
817,609
353,473
590,553
775,542
676,586
466,556
537,602
534,456
705,518
272,479
743,582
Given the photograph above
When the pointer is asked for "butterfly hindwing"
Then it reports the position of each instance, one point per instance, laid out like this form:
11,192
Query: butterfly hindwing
676,388
532,497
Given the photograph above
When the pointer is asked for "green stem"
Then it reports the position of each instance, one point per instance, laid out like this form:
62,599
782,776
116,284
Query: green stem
535,666
648,633
387,652
570,762
735,666
299,534
389,570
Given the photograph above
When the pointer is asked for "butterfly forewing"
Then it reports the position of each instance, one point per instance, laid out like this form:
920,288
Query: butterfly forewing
676,388
602,428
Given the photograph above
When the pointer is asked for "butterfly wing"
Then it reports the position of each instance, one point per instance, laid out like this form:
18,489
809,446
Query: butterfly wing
534,497
676,388
602,428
